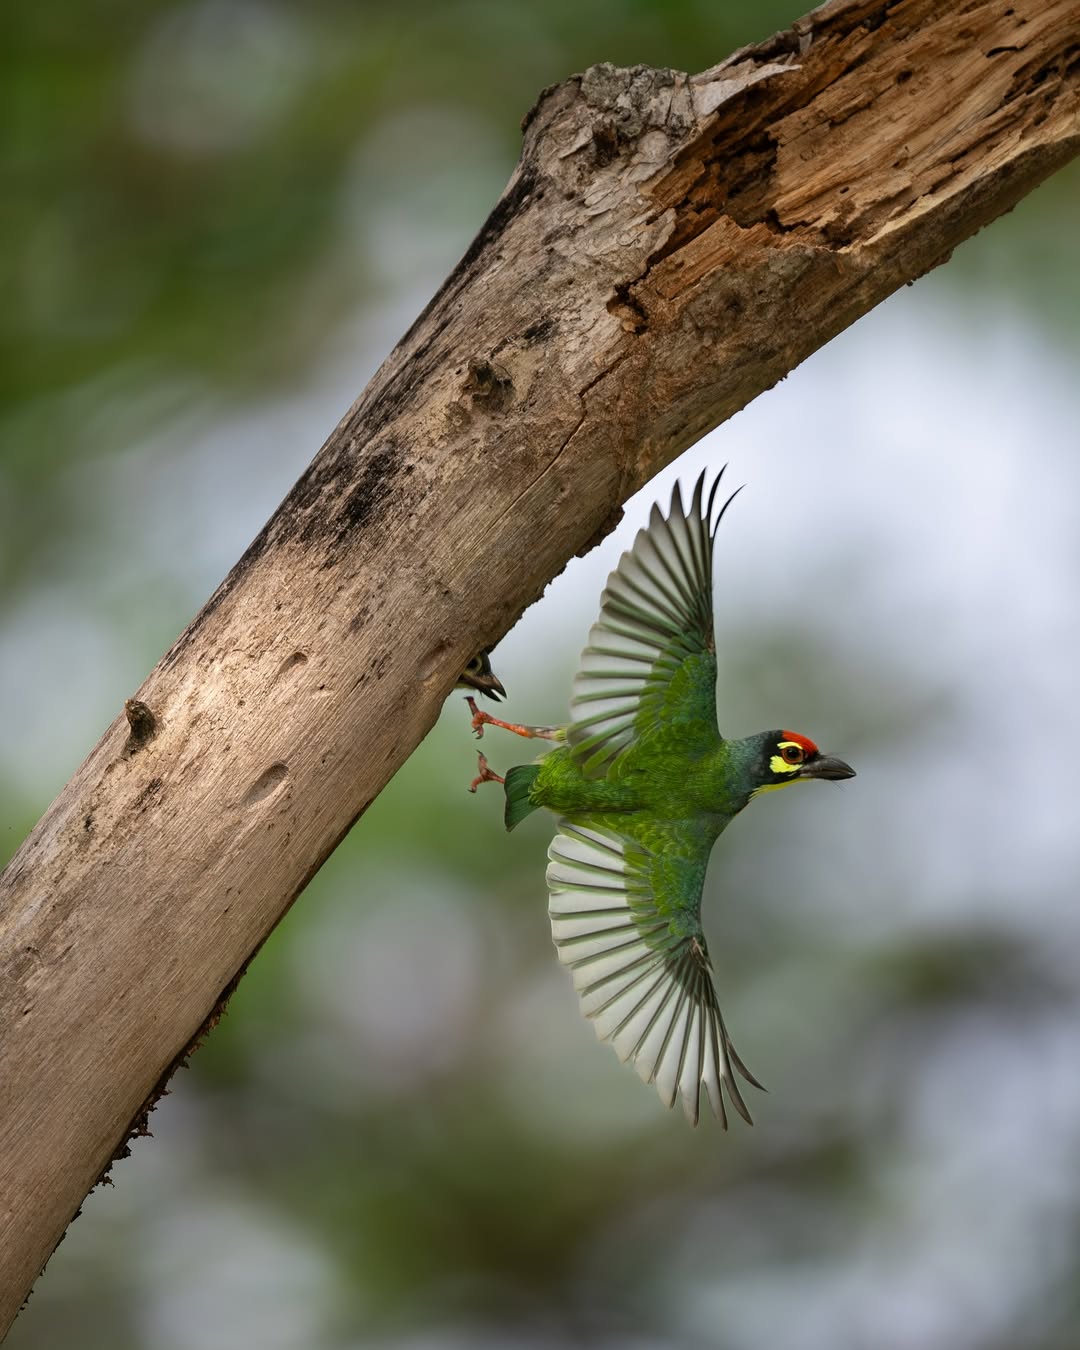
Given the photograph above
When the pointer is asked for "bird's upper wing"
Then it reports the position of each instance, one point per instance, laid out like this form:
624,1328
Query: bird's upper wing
650,661
640,968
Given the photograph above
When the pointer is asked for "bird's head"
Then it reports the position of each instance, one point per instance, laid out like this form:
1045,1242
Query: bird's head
478,675
785,757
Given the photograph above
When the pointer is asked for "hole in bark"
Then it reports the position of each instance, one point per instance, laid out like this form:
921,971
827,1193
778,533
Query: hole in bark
489,384
291,663
142,723
433,660
268,781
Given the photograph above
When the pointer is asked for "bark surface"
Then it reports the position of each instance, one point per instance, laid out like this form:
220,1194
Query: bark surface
667,248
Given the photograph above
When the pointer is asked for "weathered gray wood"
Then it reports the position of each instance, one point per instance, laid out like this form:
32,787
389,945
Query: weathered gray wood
667,248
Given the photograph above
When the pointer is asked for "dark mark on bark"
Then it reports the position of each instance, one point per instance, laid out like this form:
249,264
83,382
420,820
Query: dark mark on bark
149,796
370,492
489,384
381,402
605,140
307,513
540,331
358,620
509,205
543,95
142,722
628,310
873,22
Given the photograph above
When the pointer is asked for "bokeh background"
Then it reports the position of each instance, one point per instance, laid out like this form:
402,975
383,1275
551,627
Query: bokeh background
217,218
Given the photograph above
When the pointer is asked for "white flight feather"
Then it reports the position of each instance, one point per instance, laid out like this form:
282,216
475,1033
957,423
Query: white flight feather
626,968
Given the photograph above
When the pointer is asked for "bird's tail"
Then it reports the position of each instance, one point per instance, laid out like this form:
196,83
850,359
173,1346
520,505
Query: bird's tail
518,803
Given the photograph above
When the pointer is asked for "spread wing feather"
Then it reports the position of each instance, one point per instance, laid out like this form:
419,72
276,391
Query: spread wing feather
655,622
647,988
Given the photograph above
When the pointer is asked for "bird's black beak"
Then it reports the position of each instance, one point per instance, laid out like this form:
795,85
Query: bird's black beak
482,678
488,684
827,766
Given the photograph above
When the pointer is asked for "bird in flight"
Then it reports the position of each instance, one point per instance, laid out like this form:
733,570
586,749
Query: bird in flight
643,784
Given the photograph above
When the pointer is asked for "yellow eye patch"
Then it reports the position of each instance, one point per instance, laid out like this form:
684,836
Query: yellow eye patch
778,764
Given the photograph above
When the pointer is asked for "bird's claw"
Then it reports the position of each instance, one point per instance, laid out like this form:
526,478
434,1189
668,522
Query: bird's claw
485,775
479,718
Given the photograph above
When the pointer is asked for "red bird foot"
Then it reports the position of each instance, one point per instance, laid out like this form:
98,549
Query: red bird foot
480,720
485,775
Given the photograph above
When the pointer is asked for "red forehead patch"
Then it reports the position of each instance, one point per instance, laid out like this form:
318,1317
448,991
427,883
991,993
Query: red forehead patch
805,741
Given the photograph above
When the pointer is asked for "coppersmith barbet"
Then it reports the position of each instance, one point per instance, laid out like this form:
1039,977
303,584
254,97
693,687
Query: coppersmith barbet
643,785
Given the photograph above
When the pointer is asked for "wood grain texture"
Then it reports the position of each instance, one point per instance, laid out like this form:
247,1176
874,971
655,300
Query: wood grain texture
667,248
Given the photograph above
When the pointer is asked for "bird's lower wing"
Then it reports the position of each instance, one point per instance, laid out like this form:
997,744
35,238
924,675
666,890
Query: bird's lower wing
648,990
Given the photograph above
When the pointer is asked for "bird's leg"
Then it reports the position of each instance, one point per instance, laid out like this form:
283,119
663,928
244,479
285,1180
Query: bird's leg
485,775
481,719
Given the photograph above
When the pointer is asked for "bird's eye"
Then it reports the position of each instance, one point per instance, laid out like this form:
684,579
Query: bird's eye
793,754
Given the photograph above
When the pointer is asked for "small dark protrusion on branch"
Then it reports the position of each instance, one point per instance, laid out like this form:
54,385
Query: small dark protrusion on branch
489,383
142,722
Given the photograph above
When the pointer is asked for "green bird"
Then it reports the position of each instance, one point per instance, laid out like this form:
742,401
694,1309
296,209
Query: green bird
643,785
